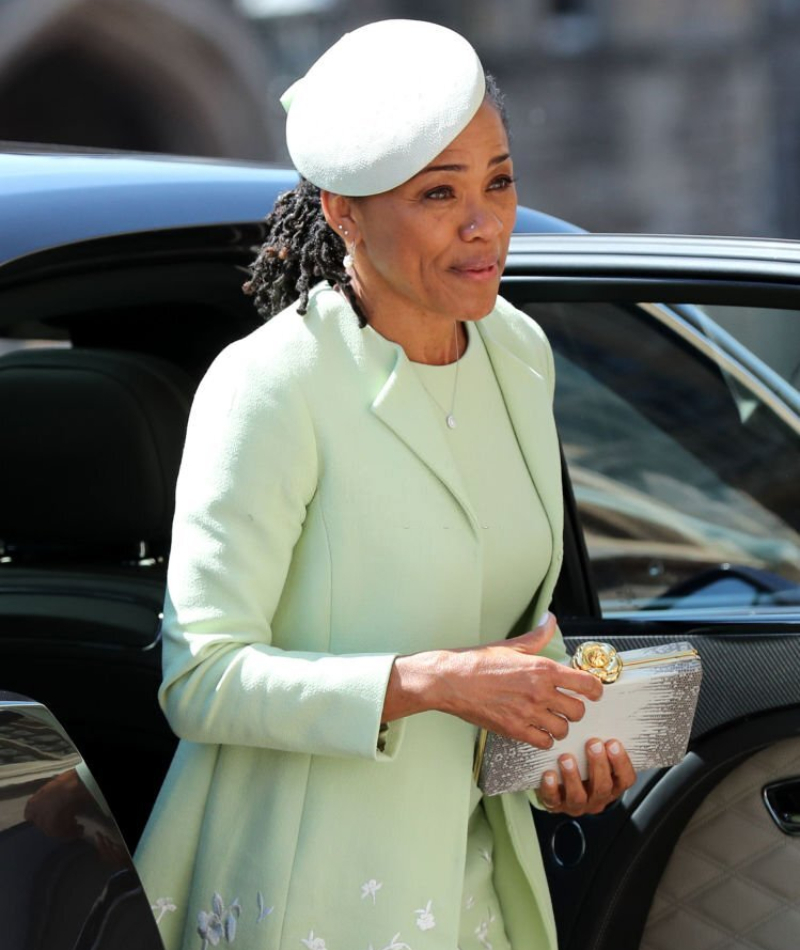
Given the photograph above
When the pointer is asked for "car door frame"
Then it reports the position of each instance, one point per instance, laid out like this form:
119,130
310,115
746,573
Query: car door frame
604,870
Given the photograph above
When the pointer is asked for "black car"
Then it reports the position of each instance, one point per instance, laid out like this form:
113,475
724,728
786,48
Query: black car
678,362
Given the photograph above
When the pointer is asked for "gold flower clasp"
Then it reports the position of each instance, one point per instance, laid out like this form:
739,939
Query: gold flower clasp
599,659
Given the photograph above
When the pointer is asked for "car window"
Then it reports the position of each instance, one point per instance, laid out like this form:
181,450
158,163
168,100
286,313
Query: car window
769,333
684,453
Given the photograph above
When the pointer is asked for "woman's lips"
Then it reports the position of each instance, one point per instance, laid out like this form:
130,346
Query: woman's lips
477,270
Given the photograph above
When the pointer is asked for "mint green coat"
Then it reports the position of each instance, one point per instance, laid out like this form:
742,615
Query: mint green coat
321,528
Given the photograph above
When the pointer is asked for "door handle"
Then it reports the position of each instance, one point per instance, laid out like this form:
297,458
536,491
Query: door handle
782,800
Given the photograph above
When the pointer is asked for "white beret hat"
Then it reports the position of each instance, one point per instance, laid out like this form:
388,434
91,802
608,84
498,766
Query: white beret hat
380,104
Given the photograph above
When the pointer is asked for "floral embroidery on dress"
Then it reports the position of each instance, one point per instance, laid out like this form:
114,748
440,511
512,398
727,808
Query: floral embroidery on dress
482,931
263,910
163,905
219,923
370,889
314,943
394,944
469,903
425,918
486,854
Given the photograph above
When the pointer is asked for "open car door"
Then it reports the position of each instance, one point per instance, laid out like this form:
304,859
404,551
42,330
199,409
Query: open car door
68,882
678,366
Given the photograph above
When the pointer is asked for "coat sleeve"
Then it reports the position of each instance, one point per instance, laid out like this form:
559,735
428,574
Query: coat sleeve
248,474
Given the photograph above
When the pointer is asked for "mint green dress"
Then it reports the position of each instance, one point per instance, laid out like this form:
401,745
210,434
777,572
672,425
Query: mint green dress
510,514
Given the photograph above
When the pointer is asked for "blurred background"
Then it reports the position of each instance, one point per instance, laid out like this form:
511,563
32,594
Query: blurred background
627,115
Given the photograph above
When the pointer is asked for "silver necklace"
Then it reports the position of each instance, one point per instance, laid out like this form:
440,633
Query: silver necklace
449,417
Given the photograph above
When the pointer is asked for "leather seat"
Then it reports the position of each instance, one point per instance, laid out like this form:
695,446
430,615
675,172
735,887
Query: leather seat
92,442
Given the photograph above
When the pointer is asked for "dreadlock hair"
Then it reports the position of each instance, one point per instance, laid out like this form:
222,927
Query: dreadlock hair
300,249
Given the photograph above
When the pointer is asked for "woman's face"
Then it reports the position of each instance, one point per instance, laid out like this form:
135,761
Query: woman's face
434,247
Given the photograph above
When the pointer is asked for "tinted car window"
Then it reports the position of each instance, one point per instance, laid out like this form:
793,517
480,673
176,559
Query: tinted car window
683,462
768,332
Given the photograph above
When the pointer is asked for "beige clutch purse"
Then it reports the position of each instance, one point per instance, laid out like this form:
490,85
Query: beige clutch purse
648,704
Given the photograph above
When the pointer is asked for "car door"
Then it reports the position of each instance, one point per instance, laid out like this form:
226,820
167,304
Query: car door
677,366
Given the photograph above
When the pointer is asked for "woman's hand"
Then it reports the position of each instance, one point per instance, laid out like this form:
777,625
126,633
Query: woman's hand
505,687
610,774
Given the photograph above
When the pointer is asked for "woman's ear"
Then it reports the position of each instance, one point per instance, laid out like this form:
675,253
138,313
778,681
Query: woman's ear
338,213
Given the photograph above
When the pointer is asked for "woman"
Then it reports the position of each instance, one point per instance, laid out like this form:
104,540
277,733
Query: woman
369,502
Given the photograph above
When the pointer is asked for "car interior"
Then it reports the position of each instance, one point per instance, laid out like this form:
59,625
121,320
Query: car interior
96,405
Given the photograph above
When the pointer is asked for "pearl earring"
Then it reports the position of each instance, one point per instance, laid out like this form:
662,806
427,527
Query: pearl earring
348,260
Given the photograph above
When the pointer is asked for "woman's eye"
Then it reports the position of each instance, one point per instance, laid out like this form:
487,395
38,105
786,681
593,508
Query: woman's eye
437,194
502,182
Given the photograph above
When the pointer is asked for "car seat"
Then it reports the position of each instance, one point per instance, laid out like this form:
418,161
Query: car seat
92,441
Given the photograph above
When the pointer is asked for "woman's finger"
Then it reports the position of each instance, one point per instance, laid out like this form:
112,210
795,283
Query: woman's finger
624,774
574,790
578,681
557,726
600,781
570,707
549,793
536,736
534,641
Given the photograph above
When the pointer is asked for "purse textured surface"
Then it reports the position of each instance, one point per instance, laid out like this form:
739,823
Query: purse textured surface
649,709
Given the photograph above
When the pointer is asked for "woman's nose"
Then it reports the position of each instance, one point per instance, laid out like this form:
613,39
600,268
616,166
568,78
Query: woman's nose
480,224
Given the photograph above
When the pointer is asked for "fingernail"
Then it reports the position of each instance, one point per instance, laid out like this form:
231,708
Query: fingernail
543,619
568,764
596,748
549,779
614,748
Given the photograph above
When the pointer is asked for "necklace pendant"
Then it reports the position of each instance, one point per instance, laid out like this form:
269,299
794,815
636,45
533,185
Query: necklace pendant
451,421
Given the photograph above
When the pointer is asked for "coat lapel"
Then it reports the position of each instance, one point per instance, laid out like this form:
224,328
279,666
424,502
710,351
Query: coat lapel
527,398
398,398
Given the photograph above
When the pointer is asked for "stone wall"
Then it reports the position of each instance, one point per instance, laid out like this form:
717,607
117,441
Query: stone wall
642,115
628,115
